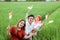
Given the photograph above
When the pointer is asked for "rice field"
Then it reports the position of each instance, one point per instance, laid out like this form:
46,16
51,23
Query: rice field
19,9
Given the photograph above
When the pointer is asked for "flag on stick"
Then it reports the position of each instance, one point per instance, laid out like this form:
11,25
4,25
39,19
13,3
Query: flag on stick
51,21
10,15
30,7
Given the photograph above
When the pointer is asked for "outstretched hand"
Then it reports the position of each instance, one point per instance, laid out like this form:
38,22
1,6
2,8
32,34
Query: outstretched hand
8,28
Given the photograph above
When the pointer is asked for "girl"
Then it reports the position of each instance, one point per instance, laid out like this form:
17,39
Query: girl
38,23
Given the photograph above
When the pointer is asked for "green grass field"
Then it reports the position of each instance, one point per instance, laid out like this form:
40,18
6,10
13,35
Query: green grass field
19,9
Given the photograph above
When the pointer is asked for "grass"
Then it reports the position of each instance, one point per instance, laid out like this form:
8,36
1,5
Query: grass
19,9
54,27
50,31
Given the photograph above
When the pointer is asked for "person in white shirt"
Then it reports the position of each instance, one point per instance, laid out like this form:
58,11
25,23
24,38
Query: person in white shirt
29,25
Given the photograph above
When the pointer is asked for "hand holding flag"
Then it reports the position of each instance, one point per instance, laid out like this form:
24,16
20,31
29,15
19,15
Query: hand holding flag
30,7
49,22
8,28
10,15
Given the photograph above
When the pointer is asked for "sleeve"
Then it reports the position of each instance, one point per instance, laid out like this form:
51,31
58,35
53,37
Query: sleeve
12,31
26,28
26,19
32,29
32,25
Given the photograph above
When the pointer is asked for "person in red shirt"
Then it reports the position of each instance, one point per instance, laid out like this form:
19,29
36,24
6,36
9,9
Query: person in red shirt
18,32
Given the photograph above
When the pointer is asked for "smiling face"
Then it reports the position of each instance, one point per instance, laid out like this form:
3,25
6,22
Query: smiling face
30,20
21,24
38,18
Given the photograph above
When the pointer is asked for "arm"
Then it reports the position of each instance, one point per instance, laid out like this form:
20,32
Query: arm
26,17
8,30
13,31
29,36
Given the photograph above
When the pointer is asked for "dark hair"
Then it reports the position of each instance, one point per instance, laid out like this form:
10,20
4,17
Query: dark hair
30,16
24,24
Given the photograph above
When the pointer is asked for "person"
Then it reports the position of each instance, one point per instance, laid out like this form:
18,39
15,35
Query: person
38,23
18,32
30,25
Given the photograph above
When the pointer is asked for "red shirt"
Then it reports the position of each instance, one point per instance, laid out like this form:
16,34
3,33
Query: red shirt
19,35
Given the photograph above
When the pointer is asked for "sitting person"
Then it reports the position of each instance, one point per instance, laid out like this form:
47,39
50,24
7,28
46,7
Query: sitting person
38,23
30,25
18,32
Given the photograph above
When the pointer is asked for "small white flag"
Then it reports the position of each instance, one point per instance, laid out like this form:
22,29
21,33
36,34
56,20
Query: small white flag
46,17
51,21
10,15
30,7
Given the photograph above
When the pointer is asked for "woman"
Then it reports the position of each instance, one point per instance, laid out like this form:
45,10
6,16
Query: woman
18,32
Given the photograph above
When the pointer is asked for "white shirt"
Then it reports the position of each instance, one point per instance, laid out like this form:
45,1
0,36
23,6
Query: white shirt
29,27
37,27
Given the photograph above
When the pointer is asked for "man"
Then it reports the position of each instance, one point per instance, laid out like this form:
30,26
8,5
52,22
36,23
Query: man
29,25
